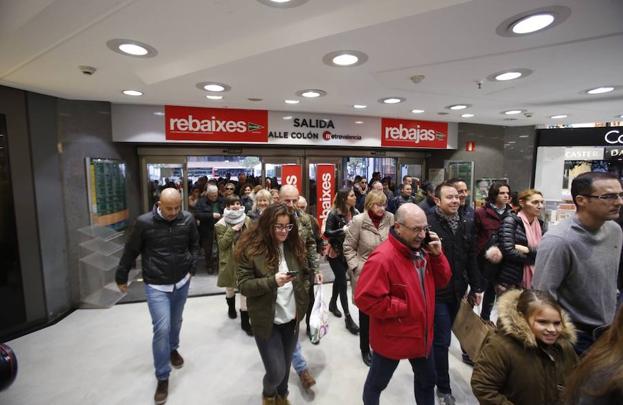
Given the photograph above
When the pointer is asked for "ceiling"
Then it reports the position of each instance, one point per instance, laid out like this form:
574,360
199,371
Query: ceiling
271,53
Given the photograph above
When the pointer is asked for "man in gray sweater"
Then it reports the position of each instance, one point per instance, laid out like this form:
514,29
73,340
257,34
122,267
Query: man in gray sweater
577,261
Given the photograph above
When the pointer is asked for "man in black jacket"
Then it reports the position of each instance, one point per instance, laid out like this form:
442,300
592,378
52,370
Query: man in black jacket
457,239
208,211
168,242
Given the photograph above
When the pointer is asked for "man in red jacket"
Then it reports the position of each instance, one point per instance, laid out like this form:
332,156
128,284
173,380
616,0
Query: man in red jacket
397,290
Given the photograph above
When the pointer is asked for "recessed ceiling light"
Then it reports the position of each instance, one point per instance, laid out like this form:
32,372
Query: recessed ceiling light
391,100
509,74
467,115
311,93
416,111
291,101
287,117
130,47
559,116
134,93
360,106
358,122
601,90
345,58
533,23
458,106
213,86
513,112
213,97
283,3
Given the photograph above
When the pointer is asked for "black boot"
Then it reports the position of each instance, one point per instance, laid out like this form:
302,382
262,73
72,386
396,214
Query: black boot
231,305
244,322
333,309
351,325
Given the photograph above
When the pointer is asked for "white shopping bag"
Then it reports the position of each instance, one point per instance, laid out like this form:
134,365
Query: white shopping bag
319,318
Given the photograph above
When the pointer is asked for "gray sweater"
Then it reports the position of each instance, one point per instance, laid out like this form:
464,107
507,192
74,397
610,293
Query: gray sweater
579,268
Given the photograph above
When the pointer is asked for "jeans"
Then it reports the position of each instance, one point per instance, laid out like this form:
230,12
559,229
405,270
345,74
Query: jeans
166,310
382,370
364,332
445,312
276,353
339,267
298,361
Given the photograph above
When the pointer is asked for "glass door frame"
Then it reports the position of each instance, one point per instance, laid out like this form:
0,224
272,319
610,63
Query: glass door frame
410,161
279,160
150,159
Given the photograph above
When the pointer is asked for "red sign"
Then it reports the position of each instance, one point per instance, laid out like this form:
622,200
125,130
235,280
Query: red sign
470,146
215,124
414,134
325,190
293,175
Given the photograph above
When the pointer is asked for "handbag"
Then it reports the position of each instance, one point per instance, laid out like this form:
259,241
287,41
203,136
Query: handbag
470,329
319,317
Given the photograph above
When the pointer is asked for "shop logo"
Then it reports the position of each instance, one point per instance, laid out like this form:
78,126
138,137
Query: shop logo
326,135
416,134
611,137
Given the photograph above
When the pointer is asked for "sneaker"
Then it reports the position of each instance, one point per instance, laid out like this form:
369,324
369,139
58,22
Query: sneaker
162,392
307,380
446,399
177,361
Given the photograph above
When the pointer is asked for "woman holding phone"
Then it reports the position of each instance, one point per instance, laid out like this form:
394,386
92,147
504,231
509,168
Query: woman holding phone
273,275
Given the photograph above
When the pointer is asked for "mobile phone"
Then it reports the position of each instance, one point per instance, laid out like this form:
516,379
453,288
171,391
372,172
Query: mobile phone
292,273
427,239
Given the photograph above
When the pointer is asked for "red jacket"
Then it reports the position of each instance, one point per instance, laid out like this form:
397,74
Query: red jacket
389,291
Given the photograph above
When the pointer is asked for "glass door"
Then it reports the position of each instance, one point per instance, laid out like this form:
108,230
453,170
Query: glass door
271,169
160,172
411,167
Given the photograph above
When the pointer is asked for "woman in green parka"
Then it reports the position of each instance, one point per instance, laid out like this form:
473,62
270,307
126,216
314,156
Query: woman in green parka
228,230
273,274
527,360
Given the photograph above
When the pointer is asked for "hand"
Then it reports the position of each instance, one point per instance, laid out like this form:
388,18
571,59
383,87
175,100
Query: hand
216,215
282,279
523,249
434,246
474,299
500,289
319,278
237,227
123,288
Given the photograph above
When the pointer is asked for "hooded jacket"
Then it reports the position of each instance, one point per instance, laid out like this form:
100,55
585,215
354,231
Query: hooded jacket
401,309
513,368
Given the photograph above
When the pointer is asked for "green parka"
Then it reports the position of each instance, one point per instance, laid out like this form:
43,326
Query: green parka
226,238
513,368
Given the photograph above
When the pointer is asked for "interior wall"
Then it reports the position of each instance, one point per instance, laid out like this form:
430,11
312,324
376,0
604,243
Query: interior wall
85,131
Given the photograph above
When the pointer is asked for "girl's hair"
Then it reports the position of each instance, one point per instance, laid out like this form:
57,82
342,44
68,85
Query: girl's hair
525,195
260,238
374,197
339,202
231,200
263,193
600,372
494,190
531,300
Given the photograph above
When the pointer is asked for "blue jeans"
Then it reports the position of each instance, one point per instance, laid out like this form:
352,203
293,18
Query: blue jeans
445,312
166,310
298,361
381,372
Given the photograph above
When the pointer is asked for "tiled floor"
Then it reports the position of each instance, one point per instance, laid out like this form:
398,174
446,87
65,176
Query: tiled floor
104,357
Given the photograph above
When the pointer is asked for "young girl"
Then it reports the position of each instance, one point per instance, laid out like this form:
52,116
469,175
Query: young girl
527,360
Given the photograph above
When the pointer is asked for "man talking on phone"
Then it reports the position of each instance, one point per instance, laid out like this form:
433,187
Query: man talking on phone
457,238
396,289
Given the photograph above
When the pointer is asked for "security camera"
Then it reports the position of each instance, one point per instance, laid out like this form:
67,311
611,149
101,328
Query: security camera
527,114
87,70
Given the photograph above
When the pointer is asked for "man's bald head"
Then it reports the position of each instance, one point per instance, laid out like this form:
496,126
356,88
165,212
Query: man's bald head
170,203
289,195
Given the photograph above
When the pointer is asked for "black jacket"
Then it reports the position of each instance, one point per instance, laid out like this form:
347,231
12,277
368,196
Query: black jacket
511,233
204,211
334,229
397,201
168,249
460,250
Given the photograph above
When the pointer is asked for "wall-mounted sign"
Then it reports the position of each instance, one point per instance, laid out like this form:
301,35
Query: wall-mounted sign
414,134
325,190
576,153
613,153
215,124
293,175
108,204
600,136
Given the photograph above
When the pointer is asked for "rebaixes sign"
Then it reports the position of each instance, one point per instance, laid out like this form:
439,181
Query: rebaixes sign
215,124
414,134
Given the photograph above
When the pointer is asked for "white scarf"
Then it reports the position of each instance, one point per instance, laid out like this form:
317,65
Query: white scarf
232,217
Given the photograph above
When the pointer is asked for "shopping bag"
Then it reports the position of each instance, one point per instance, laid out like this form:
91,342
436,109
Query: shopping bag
319,318
470,329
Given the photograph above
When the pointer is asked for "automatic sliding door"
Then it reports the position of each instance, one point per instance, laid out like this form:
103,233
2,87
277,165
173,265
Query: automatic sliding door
160,173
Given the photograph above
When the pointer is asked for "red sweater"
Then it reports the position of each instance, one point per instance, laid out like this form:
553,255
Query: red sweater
390,292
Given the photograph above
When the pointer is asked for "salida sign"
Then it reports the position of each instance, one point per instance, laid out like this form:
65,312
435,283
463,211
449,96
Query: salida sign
325,190
215,124
414,134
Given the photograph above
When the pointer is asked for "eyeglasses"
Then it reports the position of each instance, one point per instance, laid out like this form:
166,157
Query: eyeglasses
229,188
606,197
281,227
416,229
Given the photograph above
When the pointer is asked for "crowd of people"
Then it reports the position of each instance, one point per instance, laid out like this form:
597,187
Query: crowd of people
412,258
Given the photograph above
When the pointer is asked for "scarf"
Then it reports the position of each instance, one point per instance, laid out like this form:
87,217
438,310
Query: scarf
232,217
453,220
534,235
376,219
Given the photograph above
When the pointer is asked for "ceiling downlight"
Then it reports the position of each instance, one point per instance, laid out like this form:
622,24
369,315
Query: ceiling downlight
130,47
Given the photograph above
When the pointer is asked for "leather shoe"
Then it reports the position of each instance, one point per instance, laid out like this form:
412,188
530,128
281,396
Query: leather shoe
307,380
367,358
162,392
333,309
351,325
177,361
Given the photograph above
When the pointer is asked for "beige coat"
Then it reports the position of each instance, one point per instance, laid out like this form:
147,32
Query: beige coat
361,239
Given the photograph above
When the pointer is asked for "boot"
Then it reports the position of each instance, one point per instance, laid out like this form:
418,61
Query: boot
333,309
282,400
244,322
268,400
162,392
231,304
307,380
351,325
